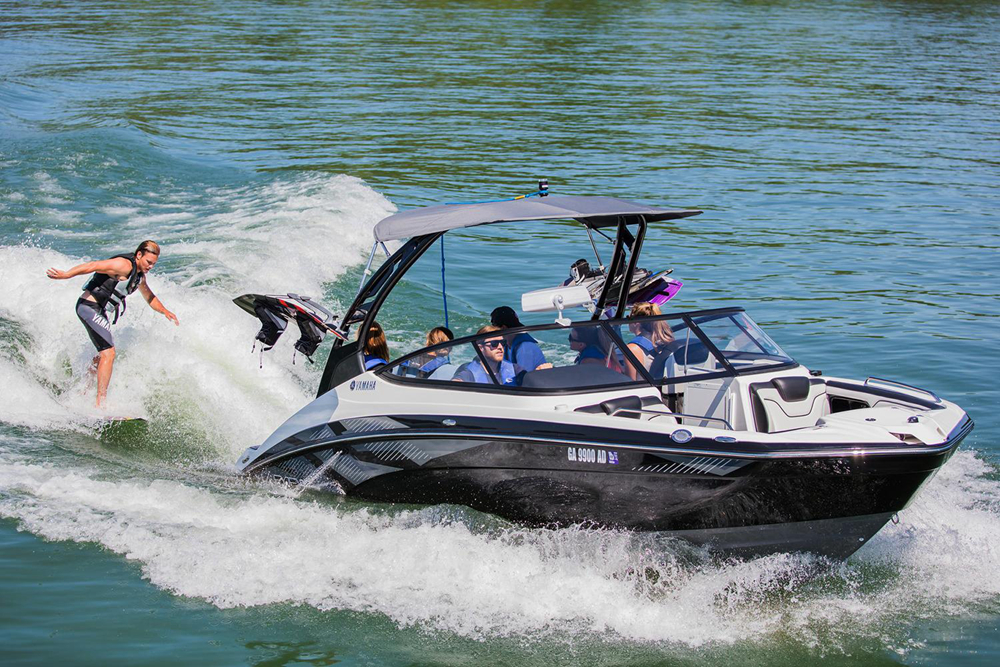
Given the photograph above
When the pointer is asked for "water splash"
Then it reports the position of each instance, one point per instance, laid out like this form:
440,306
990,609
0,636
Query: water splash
459,572
198,380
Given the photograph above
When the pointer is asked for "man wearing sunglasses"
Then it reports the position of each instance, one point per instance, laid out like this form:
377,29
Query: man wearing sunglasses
493,351
522,350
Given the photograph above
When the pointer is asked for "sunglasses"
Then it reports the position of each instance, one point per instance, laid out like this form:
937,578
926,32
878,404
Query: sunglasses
493,344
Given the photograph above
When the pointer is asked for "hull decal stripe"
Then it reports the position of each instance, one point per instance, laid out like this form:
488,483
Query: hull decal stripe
833,452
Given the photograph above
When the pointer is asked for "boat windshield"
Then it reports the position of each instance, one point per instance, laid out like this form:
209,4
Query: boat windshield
740,341
664,350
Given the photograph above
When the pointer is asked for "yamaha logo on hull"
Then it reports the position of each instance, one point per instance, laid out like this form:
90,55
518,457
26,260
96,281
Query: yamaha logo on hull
362,385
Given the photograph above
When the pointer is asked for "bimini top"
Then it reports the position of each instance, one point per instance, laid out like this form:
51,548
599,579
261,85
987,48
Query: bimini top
591,211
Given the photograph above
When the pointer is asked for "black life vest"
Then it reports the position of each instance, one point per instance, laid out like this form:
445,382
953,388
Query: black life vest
105,289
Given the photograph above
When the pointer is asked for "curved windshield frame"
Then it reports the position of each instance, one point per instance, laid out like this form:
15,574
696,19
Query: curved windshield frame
740,340
707,344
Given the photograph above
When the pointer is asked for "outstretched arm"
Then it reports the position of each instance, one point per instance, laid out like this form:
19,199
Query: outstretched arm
155,303
117,267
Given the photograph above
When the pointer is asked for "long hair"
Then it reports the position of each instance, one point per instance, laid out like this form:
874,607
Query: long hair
659,332
439,335
148,246
375,345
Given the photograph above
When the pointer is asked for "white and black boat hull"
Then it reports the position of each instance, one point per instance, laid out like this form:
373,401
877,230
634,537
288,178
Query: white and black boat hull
743,499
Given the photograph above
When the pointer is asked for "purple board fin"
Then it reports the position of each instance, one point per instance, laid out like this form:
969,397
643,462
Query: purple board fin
659,292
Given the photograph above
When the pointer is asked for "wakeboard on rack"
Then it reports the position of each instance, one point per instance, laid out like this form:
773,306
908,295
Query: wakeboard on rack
275,311
653,287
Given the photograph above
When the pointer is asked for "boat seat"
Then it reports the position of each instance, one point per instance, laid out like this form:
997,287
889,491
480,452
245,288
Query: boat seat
788,403
623,403
693,354
572,377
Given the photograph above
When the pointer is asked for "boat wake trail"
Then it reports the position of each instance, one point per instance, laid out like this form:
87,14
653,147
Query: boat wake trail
198,381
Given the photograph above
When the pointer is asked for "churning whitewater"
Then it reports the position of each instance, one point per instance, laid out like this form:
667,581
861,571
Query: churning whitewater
203,373
462,573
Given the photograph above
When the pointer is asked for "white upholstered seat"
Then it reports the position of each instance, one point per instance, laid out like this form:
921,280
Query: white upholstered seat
787,403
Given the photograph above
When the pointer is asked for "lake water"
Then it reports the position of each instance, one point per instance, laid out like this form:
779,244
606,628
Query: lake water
846,155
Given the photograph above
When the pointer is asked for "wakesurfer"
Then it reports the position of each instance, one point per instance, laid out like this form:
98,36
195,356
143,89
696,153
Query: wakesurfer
101,291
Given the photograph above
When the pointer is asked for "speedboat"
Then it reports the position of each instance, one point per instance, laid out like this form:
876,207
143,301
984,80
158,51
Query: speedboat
721,439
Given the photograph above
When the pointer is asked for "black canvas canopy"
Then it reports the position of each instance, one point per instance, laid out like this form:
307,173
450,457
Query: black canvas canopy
591,211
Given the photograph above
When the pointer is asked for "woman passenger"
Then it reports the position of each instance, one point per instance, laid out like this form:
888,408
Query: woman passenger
434,359
376,348
650,337
586,342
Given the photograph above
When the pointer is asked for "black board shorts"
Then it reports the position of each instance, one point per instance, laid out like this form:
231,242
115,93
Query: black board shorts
98,327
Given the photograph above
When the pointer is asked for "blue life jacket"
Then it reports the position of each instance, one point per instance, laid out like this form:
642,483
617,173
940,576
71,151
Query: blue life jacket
408,369
413,367
374,362
434,364
646,345
473,371
589,352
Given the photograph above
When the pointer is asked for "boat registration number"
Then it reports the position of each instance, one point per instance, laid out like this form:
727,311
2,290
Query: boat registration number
588,455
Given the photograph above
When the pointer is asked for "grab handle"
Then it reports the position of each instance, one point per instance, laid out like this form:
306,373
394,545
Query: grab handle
872,380
660,413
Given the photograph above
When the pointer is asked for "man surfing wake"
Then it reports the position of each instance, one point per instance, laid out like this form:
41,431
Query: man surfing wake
101,291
